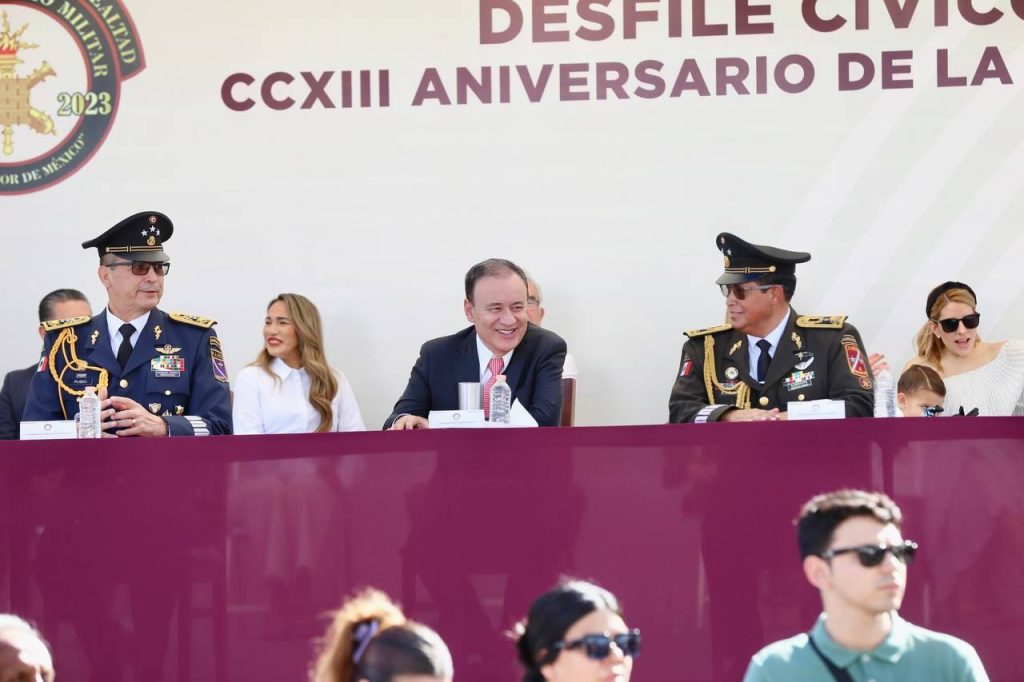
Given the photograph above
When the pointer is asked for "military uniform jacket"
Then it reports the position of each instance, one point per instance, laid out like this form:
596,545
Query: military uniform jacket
816,358
176,370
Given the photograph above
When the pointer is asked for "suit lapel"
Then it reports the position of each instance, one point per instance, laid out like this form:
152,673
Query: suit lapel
466,364
784,358
738,353
514,370
94,346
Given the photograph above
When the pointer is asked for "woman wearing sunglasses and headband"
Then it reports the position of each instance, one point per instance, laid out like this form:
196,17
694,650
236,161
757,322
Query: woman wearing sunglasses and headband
988,375
290,388
576,633
370,640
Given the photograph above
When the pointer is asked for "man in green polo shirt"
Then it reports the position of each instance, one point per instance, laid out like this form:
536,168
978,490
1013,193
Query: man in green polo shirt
854,553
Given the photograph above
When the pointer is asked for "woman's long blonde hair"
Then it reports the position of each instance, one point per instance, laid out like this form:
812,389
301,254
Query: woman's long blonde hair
309,330
928,346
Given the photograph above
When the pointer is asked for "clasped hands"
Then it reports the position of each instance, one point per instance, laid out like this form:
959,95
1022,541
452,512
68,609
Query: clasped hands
129,417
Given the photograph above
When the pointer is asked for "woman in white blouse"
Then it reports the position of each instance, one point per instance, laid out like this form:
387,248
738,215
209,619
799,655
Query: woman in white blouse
987,375
290,388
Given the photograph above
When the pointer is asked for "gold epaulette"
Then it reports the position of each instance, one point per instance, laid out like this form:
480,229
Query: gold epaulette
710,330
204,322
53,325
821,321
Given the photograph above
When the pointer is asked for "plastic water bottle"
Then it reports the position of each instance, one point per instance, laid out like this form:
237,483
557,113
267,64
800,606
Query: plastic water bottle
885,394
89,414
501,401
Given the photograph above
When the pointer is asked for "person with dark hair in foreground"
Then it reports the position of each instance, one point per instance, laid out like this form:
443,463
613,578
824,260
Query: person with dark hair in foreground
501,340
23,654
60,304
767,356
854,553
370,640
576,633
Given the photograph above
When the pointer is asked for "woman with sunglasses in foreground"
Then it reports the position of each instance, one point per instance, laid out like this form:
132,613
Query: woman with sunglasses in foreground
576,633
370,640
988,375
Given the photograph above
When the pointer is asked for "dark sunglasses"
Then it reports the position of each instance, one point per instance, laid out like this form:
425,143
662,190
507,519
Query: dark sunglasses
872,555
951,324
140,268
598,647
741,292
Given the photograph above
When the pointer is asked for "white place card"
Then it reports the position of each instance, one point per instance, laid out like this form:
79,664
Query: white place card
816,409
50,430
456,419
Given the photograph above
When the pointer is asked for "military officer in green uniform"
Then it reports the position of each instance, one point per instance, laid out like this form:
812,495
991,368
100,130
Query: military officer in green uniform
160,374
767,356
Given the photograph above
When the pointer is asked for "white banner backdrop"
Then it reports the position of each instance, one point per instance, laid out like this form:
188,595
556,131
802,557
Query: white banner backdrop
609,188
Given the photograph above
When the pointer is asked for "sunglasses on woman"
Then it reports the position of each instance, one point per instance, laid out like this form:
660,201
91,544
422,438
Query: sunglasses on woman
872,555
951,324
598,647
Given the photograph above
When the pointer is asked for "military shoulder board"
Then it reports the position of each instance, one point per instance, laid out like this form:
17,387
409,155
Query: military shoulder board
204,322
821,321
52,325
710,330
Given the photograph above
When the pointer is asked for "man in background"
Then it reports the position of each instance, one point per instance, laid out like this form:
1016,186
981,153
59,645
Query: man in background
535,312
23,654
61,304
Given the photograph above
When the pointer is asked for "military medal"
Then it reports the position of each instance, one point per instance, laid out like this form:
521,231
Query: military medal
731,373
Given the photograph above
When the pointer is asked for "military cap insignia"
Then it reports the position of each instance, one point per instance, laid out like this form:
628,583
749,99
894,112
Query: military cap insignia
204,322
821,321
53,325
710,330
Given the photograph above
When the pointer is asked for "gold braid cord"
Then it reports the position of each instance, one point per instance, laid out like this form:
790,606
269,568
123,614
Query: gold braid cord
742,391
65,345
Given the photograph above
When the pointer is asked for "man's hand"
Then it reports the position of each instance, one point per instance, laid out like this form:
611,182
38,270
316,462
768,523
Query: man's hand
753,415
133,419
409,421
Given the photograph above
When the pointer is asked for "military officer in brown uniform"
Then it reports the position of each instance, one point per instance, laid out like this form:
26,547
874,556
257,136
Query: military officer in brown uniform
767,356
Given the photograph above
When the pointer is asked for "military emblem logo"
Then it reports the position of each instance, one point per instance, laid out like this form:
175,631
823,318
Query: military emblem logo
61,69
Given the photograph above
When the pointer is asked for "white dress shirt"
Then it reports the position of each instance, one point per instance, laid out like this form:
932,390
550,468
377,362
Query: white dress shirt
114,327
263,405
774,336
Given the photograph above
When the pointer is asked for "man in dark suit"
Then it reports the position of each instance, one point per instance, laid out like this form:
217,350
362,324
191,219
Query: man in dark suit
501,341
164,372
767,356
56,305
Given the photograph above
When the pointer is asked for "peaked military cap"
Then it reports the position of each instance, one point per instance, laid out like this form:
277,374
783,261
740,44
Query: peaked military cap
138,237
745,262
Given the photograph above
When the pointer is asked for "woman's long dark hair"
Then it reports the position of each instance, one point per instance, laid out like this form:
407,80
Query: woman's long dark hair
551,616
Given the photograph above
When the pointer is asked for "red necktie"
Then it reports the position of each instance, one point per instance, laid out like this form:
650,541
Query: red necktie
495,365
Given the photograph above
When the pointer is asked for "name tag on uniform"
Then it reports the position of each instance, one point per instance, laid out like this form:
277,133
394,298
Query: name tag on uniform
167,366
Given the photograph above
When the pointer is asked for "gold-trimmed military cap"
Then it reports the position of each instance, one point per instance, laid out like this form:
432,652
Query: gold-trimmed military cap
138,237
745,262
